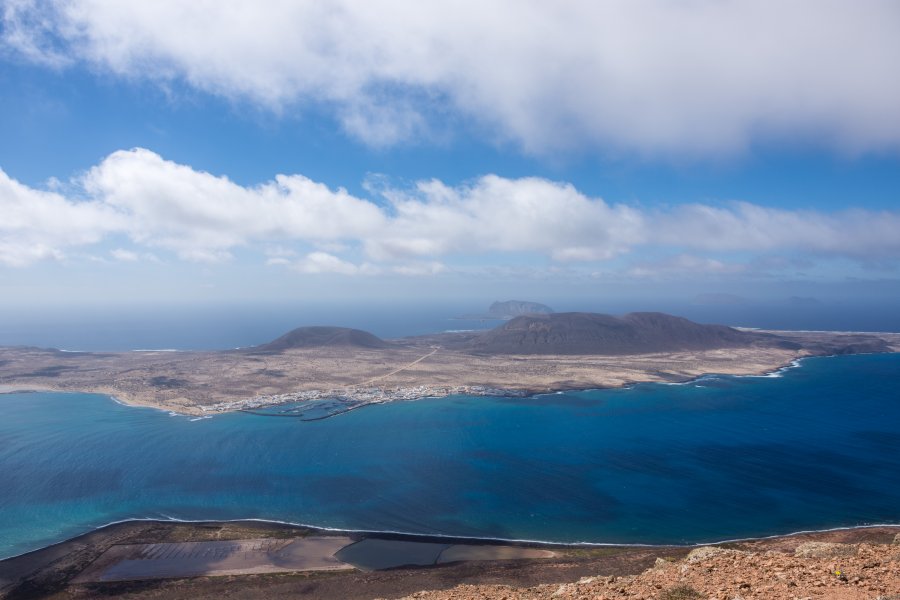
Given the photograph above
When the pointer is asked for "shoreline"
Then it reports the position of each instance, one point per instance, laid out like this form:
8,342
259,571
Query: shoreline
443,538
135,559
323,380
248,405
13,389
523,393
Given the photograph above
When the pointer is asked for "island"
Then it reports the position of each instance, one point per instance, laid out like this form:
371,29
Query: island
321,371
509,309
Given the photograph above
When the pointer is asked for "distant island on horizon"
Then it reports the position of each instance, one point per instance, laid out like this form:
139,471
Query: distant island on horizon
509,309
534,352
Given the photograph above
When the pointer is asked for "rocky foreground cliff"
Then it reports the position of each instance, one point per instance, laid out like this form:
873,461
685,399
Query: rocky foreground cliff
836,571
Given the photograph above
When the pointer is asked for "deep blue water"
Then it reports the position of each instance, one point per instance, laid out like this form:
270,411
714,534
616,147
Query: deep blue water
719,458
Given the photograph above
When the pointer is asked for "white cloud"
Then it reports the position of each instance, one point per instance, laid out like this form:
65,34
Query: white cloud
202,217
38,225
495,214
683,265
123,255
743,226
130,256
650,76
322,262
278,255
32,33
418,269
305,226
383,125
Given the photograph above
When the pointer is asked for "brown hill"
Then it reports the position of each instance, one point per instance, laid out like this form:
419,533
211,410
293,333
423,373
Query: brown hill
317,337
592,333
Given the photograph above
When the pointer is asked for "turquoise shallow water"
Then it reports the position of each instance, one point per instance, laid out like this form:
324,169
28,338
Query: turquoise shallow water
719,458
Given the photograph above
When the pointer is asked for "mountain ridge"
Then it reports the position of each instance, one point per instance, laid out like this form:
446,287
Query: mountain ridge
596,333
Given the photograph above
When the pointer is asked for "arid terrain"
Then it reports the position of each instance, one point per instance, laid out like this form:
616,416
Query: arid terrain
787,568
853,564
186,381
341,362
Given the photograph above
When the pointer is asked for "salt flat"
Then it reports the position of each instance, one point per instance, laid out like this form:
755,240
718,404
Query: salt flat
127,562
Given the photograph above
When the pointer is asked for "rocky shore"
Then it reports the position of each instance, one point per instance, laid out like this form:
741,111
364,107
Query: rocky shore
814,569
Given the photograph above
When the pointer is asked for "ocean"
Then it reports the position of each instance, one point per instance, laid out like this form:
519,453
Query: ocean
815,447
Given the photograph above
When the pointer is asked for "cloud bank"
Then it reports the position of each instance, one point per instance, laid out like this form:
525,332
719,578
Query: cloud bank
137,197
38,224
647,76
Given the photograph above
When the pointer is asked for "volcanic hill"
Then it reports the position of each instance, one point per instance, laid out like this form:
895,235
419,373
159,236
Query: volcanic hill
317,337
592,333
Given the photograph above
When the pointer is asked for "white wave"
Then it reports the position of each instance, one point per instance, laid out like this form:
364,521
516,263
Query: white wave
423,536
157,350
779,372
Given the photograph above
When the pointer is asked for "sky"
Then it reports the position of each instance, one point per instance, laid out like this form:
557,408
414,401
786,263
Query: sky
359,151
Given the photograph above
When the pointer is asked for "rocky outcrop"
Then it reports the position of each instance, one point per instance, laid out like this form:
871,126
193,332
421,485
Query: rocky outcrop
845,572
824,550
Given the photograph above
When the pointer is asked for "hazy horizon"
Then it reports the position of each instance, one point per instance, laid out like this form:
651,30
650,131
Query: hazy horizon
216,327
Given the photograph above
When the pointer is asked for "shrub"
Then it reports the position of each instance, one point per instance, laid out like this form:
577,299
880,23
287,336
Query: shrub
681,592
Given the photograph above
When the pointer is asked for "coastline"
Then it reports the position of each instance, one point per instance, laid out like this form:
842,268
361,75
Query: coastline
17,389
447,538
360,397
403,394
68,564
250,405
115,397
198,384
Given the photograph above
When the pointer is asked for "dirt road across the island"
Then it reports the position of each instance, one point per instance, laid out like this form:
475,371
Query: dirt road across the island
403,368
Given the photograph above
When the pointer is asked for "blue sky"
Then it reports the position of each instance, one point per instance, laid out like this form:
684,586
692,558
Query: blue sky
236,152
